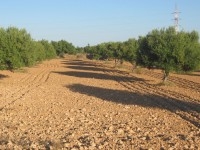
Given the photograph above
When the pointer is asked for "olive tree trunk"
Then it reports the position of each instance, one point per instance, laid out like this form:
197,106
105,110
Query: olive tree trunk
165,76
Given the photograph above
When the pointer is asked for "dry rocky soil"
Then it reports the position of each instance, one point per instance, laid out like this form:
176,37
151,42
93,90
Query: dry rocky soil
80,104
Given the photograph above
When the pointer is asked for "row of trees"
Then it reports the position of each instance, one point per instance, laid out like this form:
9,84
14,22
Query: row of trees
164,49
18,49
170,51
63,47
119,51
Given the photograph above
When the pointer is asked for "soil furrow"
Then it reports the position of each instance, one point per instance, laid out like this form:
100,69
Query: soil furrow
31,84
178,81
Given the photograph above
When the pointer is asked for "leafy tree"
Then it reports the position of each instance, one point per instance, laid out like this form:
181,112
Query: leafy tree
119,51
92,52
79,49
2,48
165,49
116,50
56,47
50,51
14,48
39,52
25,47
18,49
63,47
103,52
130,50
192,51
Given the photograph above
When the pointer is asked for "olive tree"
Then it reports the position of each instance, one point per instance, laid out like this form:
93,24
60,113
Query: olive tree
168,50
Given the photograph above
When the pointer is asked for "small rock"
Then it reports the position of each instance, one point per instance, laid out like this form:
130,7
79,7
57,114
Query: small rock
138,129
127,107
71,119
66,145
119,142
131,131
144,138
93,144
84,110
71,110
186,147
34,146
128,128
106,116
100,147
10,144
120,131
192,147
111,128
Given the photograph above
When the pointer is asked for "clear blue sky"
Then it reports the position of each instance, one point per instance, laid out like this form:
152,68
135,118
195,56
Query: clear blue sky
83,22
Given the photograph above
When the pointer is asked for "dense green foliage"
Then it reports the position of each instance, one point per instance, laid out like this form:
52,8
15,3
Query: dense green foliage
15,48
119,51
50,52
63,47
18,49
169,51
191,52
164,49
130,48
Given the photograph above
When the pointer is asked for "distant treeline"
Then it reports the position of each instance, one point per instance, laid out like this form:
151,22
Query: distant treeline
18,49
165,49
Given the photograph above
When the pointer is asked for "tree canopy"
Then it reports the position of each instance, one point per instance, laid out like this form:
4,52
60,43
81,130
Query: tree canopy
63,47
18,49
119,51
165,49
170,51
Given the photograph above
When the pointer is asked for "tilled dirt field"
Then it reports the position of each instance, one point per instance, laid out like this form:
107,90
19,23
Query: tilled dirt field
80,104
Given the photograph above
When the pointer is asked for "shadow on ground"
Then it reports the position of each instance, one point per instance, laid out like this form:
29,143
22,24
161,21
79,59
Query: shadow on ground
140,99
197,74
87,68
102,76
78,62
3,76
131,98
84,69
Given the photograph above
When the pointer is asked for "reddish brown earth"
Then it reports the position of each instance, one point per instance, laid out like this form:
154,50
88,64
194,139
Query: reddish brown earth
81,104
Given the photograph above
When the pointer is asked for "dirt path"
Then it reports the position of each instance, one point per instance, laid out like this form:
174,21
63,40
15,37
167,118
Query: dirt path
78,104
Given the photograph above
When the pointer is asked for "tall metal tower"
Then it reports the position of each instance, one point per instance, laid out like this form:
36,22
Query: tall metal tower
176,19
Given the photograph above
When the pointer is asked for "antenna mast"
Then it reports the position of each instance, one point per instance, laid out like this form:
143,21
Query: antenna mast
176,19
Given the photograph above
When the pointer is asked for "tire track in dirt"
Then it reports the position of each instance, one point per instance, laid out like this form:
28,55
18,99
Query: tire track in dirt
30,82
25,84
172,103
178,81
